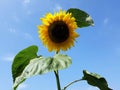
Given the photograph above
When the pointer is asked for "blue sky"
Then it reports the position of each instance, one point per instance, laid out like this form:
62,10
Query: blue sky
96,50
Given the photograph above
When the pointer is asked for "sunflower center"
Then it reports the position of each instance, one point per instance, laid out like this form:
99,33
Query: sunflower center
58,31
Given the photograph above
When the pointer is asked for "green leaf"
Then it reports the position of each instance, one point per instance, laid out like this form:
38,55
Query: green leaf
22,59
95,80
82,18
43,65
61,61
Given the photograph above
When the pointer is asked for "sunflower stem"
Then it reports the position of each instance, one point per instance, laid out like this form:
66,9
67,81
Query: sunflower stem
56,52
57,79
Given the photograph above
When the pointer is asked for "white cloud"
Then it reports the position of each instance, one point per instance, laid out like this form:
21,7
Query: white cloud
57,7
28,36
22,86
106,20
8,58
24,35
29,12
15,18
25,4
12,30
26,1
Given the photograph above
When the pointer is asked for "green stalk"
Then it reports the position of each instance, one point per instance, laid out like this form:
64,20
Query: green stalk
57,79
71,83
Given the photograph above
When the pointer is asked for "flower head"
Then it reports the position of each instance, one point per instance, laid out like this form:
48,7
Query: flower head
57,31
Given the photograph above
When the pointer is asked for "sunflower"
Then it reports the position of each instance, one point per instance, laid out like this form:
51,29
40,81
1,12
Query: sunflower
57,31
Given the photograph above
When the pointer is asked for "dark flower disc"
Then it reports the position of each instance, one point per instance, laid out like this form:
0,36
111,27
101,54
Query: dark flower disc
58,31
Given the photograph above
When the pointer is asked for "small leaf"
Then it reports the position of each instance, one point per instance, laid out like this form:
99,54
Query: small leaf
22,59
82,18
95,80
43,65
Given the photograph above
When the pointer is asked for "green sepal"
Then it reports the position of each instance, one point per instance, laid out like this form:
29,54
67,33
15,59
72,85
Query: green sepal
22,59
95,80
82,18
41,65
